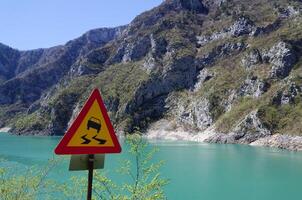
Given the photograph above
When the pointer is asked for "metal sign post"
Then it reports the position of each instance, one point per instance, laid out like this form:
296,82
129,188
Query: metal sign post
90,176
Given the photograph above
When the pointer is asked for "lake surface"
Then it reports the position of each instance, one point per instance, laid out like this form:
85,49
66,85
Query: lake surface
195,170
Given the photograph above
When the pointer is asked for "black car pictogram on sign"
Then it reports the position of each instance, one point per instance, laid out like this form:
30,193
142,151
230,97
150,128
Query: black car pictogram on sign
94,123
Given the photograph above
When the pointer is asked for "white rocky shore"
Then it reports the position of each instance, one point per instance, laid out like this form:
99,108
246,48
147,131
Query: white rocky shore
164,130
5,129
293,143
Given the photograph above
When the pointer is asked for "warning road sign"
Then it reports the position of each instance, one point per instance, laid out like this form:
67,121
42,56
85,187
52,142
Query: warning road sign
91,132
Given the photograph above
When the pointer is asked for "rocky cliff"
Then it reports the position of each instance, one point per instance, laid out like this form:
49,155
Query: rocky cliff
226,65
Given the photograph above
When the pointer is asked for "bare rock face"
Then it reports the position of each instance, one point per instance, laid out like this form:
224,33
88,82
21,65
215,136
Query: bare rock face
150,97
204,75
220,51
267,29
290,95
60,114
203,40
136,50
196,114
283,58
149,63
219,2
281,141
250,129
253,87
37,70
150,60
93,55
287,96
232,96
288,12
80,70
242,26
251,59
8,62
192,5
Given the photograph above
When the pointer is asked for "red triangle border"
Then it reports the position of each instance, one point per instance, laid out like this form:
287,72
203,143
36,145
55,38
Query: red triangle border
63,149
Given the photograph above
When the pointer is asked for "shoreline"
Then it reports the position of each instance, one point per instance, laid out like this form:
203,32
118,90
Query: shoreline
5,129
288,142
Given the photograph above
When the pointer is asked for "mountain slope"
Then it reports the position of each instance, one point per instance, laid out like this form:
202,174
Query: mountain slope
226,65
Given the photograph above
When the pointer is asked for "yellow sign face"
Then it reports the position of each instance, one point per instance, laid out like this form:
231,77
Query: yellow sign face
93,131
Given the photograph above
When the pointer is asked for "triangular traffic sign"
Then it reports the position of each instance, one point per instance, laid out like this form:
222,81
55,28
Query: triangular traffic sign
91,132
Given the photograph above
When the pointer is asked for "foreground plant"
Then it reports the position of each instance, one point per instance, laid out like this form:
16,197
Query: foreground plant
29,184
145,180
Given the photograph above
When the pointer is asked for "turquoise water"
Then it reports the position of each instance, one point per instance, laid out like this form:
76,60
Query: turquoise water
196,171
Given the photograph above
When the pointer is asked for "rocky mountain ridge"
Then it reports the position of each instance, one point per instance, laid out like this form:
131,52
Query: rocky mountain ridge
226,65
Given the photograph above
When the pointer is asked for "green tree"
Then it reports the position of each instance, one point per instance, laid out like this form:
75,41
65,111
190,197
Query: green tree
31,184
146,182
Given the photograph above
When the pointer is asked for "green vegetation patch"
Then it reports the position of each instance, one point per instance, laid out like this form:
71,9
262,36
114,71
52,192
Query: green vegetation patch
76,87
289,30
244,106
61,102
9,113
284,119
239,110
121,81
32,121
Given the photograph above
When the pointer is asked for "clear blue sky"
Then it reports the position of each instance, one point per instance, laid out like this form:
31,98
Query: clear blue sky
30,24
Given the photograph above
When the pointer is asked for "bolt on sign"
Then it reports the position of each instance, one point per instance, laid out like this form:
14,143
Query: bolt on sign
91,132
